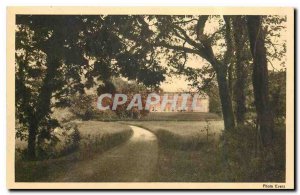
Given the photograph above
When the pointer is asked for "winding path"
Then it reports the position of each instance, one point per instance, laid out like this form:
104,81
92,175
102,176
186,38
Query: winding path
133,161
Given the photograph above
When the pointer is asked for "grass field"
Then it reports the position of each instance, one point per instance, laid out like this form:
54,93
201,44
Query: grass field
186,135
98,128
96,137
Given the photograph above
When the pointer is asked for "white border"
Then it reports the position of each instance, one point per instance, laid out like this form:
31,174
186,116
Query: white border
5,3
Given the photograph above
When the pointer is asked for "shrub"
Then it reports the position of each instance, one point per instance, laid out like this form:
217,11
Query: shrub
71,140
83,106
239,157
63,141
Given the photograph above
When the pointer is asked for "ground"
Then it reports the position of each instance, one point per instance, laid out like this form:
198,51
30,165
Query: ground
153,151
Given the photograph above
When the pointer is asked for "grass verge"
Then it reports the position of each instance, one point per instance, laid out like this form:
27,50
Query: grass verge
183,135
96,137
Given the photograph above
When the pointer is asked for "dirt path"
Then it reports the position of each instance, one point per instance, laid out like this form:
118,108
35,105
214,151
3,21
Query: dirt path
133,161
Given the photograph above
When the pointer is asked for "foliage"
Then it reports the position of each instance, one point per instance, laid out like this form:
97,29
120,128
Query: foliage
277,90
114,55
48,62
72,140
64,140
275,30
214,100
52,55
129,88
240,157
83,106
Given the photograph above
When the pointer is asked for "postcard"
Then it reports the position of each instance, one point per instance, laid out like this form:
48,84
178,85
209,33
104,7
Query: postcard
150,98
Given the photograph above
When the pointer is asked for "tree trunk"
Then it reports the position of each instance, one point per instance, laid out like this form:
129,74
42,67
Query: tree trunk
228,58
43,106
45,95
230,80
260,80
31,142
240,70
225,100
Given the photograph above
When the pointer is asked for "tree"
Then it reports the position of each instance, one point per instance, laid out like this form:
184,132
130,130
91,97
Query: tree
242,60
214,99
46,49
277,90
83,106
114,55
129,88
57,56
260,79
177,37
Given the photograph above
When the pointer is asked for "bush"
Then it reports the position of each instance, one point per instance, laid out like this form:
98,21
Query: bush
83,106
64,140
71,140
239,157
277,90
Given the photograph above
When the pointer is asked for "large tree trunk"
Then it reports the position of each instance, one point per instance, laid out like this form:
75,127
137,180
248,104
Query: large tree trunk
239,32
43,105
225,99
225,85
260,79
